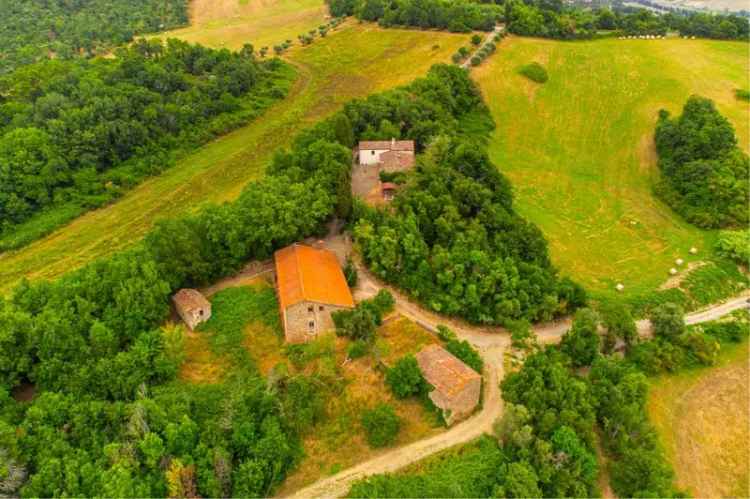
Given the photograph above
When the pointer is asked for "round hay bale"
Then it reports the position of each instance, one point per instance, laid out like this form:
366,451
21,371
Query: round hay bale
693,250
679,261
673,271
619,287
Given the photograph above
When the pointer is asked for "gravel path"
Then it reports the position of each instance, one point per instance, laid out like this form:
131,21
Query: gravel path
491,343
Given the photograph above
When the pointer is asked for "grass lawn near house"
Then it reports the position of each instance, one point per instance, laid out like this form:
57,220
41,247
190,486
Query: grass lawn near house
348,63
701,416
579,149
244,332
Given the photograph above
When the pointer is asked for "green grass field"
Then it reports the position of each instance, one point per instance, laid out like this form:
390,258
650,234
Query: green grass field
579,148
348,63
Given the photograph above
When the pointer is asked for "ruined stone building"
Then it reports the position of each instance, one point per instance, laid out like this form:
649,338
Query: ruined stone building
192,307
310,286
457,387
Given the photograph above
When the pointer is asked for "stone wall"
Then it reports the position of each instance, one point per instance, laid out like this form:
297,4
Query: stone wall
297,319
460,405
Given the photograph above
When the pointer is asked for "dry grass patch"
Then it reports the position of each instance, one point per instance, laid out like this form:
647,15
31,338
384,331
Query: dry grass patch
340,442
201,365
702,419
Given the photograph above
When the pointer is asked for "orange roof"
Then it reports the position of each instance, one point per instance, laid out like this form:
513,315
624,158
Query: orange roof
308,274
444,371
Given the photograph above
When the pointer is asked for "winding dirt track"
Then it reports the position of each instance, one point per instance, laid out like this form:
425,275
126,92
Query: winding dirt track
491,343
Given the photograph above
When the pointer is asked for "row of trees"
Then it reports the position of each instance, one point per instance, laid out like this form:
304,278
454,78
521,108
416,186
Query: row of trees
704,172
454,15
32,30
84,131
453,241
109,417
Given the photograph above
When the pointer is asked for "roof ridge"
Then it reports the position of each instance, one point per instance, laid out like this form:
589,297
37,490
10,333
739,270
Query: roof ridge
299,271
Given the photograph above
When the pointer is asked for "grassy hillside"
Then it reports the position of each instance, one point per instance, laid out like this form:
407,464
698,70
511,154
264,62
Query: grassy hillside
579,148
702,418
347,63
231,23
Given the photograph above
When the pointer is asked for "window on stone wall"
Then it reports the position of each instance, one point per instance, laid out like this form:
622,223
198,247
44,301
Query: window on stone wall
310,308
312,324
320,308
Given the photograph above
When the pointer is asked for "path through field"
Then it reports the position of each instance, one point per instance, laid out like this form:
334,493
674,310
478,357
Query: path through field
491,343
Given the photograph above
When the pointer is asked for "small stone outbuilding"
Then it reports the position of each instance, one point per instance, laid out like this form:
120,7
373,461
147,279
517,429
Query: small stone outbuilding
457,387
310,286
192,307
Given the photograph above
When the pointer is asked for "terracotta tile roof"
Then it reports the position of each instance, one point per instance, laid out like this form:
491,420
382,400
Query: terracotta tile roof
388,186
309,274
444,371
397,159
388,145
190,299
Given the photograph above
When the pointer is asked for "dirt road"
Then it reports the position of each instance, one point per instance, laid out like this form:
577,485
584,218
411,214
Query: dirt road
491,343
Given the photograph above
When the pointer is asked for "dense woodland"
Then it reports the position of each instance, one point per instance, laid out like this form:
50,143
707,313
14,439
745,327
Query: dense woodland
705,173
554,19
81,132
542,18
452,240
109,417
453,15
31,30
544,446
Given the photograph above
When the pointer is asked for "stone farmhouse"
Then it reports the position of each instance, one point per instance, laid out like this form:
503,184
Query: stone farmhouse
310,285
457,387
390,155
192,307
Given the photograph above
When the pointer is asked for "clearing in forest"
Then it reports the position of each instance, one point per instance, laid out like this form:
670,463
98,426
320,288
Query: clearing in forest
348,63
579,149
702,419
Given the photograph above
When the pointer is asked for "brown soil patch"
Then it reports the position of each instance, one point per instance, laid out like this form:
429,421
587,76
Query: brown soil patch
200,365
712,436
676,280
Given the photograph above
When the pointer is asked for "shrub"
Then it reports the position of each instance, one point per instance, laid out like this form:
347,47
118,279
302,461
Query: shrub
405,379
667,321
350,273
358,349
735,245
742,94
464,51
456,58
382,425
727,332
464,351
534,72
476,40
476,61
581,343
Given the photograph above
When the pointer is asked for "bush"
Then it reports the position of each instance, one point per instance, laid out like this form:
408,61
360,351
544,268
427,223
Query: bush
742,94
727,332
476,61
358,349
476,40
405,378
464,351
350,273
534,72
456,58
381,425
581,343
735,245
668,321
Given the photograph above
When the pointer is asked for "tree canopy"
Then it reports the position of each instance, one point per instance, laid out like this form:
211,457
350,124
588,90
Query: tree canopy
705,174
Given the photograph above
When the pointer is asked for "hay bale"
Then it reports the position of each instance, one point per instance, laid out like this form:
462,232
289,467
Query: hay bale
673,271
679,261
619,287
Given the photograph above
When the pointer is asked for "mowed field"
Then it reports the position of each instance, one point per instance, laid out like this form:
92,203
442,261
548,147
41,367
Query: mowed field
702,419
579,149
350,62
232,23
